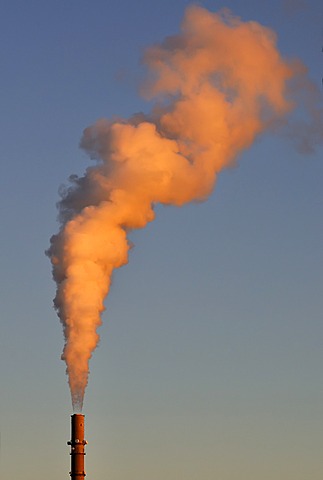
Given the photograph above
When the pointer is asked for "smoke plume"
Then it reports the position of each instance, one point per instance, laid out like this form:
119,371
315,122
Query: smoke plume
217,85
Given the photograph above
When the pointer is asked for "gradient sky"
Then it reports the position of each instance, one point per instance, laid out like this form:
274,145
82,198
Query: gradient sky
210,360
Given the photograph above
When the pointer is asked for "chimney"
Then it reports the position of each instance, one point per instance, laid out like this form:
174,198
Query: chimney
77,447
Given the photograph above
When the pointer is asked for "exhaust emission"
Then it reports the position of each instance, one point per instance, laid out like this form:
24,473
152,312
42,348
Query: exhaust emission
77,447
218,84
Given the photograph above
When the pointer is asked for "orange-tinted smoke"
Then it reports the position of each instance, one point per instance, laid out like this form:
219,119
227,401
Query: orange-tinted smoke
218,84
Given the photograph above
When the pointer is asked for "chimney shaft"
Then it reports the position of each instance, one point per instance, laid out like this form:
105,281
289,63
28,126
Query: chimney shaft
77,447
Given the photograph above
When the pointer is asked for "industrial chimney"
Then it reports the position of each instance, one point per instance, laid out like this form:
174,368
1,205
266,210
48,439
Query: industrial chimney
77,447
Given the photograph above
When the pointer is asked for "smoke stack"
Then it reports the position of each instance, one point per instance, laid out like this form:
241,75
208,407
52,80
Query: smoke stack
77,447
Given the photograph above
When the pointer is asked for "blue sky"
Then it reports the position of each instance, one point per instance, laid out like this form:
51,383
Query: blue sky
209,364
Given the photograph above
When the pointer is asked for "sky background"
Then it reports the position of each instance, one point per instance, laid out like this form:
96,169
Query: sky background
210,360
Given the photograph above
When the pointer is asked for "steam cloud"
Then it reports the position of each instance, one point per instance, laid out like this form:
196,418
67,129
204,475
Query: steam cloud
218,85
